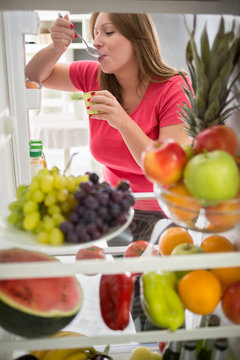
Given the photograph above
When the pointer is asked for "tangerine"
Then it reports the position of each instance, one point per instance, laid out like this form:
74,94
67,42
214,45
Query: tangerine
227,276
225,215
181,203
172,237
217,243
200,291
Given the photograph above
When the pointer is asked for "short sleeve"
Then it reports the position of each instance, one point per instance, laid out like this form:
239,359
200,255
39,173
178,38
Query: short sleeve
173,97
84,75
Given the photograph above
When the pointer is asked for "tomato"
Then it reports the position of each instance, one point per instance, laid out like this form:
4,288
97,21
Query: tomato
93,252
138,247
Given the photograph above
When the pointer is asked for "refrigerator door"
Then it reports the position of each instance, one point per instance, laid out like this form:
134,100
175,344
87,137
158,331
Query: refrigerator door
14,132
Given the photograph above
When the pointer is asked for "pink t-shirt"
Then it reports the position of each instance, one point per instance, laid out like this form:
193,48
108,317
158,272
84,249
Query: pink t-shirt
158,108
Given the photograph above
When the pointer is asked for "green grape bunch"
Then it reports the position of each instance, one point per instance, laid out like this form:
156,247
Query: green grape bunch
44,204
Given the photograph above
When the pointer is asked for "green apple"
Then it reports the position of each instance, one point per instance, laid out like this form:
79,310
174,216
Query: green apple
186,249
212,177
189,151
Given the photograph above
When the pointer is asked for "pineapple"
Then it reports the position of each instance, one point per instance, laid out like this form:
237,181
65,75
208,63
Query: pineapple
211,74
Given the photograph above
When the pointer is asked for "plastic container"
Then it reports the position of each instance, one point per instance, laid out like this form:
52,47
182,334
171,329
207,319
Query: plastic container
37,144
36,163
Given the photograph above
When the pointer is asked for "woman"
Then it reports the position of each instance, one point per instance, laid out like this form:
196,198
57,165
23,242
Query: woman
136,92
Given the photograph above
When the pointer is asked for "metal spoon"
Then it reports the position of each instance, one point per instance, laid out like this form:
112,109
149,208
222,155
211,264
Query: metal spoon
91,50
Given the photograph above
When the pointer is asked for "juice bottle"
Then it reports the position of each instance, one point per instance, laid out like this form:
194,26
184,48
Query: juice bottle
35,161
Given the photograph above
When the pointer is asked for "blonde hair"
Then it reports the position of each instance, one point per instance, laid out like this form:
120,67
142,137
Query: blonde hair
140,30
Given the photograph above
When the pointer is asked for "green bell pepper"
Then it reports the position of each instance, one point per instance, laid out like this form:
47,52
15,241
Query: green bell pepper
160,301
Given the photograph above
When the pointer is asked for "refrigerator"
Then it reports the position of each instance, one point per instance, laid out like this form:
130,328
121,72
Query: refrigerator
16,20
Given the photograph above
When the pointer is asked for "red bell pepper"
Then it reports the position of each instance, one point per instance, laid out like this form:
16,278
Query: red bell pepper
115,299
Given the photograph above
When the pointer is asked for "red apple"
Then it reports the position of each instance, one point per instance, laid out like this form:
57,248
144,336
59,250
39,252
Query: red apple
217,137
231,303
137,248
92,252
163,161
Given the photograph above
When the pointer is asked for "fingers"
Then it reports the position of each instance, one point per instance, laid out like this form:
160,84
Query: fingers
104,97
62,33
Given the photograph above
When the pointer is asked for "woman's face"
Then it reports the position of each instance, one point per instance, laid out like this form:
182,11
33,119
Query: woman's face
117,51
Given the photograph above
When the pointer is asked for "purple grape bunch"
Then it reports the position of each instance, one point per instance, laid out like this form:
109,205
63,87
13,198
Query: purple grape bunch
99,208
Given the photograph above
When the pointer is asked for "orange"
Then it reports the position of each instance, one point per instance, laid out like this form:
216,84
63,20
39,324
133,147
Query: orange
217,243
224,216
172,237
227,276
182,205
200,291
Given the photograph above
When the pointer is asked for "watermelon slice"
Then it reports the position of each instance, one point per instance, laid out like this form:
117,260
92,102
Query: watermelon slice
37,307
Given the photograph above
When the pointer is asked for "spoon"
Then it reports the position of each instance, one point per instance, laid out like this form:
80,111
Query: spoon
91,50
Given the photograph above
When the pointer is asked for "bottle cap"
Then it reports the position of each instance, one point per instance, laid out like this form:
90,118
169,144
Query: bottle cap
35,152
35,141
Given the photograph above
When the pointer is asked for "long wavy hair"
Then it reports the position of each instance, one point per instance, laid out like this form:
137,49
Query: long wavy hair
140,30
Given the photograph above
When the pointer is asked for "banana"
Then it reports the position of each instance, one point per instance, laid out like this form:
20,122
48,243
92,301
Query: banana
62,354
66,333
39,353
77,356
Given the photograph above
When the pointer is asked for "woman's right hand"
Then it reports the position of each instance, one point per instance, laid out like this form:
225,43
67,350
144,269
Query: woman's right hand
62,33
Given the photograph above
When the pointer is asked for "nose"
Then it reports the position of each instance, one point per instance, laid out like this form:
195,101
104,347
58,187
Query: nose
97,42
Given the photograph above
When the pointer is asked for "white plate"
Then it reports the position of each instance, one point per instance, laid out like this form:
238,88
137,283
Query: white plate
11,236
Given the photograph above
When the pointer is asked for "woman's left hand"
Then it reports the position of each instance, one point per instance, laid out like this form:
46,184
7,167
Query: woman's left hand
111,110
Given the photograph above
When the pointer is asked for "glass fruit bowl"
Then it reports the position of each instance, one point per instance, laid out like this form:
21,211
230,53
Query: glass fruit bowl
187,211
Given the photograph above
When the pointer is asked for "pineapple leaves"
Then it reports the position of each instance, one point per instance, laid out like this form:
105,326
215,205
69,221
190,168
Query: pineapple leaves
210,73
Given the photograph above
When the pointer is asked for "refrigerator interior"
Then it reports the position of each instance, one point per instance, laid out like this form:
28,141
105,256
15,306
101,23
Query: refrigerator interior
14,164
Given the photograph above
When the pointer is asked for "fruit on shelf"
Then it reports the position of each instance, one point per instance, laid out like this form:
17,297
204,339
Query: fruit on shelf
43,305
81,353
217,243
160,301
212,177
144,353
227,276
98,209
115,292
200,291
171,237
231,303
92,252
218,137
163,161
210,77
181,204
43,205
186,249
224,216
189,151
138,247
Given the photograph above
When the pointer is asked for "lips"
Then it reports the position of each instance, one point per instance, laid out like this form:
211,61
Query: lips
101,58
